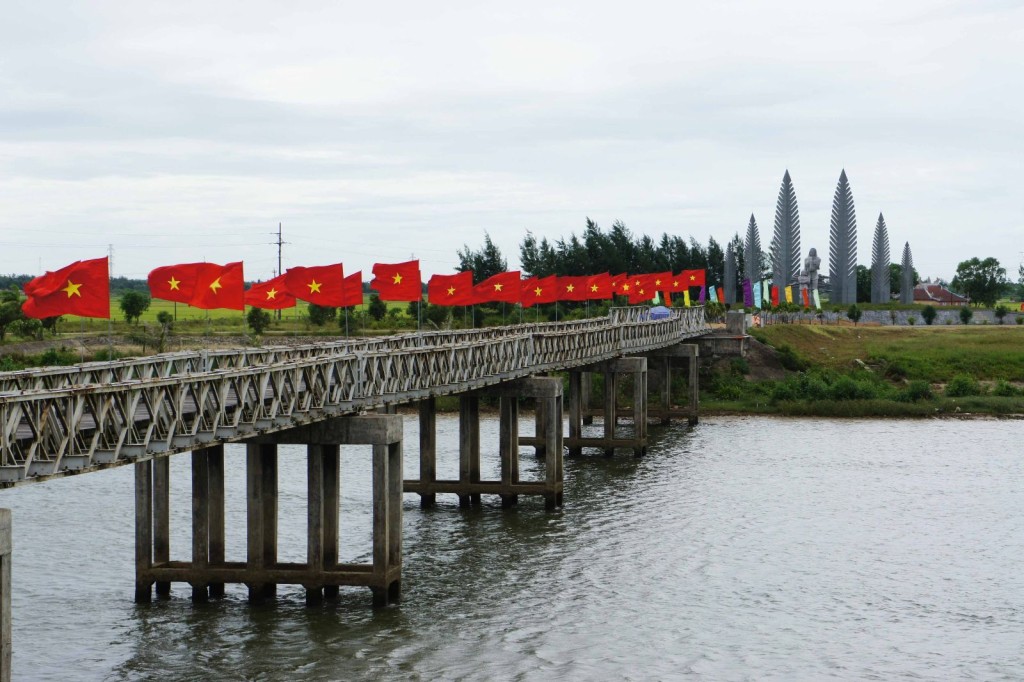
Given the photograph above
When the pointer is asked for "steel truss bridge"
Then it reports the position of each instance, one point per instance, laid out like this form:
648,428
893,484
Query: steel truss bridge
66,420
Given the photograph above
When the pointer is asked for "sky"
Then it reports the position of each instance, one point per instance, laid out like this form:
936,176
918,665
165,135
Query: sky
379,132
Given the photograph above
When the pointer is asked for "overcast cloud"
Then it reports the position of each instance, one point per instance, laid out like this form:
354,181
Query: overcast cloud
186,131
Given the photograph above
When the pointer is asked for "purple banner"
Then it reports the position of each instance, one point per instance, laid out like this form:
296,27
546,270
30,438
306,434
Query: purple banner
748,294
703,291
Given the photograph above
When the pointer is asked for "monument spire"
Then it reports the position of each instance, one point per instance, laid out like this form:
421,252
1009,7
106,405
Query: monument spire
786,242
880,288
842,245
752,252
907,277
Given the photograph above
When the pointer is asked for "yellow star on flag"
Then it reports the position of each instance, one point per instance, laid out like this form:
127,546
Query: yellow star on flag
657,282
215,285
625,287
569,288
451,291
675,283
314,286
538,291
497,287
397,279
271,294
72,289
173,283
593,287
693,278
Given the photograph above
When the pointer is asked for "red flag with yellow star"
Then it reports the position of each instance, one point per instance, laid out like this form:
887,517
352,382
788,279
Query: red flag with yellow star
450,290
82,288
323,285
219,286
599,287
503,288
397,281
538,290
270,295
353,290
174,282
572,288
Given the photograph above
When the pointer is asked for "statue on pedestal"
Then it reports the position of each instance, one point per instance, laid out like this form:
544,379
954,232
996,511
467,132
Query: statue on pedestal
811,266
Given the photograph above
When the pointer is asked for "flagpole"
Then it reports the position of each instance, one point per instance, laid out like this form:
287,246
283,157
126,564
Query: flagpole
418,302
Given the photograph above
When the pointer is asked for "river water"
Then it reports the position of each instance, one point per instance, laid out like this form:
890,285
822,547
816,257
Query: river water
746,548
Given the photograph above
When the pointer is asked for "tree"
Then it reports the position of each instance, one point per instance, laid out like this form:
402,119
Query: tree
484,263
928,314
966,314
864,282
165,319
1001,312
980,280
377,308
133,304
10,308
854,313
320,315
258,320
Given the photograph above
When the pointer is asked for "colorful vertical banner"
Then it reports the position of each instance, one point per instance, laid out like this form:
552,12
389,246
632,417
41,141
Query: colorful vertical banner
766,291
817,300
701,295
789,294
757,294
686,297
713,294
748,294
806,298
775,296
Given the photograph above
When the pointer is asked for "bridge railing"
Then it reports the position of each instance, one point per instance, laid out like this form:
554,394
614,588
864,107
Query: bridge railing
49,431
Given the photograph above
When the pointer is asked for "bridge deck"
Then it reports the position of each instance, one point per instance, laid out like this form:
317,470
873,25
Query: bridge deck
59,421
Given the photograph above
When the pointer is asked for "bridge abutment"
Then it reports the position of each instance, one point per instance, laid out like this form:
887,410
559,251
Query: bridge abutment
207,572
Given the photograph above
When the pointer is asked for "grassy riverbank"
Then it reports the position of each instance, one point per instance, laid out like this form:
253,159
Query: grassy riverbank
842,371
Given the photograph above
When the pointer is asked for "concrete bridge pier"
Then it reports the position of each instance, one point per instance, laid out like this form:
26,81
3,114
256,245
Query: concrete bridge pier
612,369
5,595
547,393
321,574
665,360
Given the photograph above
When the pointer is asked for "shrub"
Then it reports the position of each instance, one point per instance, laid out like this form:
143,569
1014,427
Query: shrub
962,385
1020,319
57,356
258,319
966,314
895,371
1005,389
928,314
911,320
854,313
916,390
1001,311
739,366
790,360
320,315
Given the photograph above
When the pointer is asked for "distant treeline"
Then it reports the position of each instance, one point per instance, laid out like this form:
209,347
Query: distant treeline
615,251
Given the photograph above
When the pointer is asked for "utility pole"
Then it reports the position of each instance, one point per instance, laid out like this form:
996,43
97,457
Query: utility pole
280,242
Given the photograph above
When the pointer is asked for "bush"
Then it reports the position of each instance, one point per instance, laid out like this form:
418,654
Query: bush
790,360
320,315
258,319
1001,311
966,314
854,313
928,314
911,320
915,391
1020,319
377,308
962,385
57,356
739,366
1005,389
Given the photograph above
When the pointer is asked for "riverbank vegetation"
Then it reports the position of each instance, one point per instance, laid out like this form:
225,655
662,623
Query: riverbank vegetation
872,371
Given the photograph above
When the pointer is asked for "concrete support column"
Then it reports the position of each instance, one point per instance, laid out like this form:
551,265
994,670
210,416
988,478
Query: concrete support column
261,515
554,473
330,455
640,411
666,389
540,419
215,474
576,404
162,519
200,523
143,530
611,389
314,520
694,386
508,445
469,446
428,448
6,550
387,520
586,392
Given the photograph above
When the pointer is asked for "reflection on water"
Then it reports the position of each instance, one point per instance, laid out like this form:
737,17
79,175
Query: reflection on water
745,548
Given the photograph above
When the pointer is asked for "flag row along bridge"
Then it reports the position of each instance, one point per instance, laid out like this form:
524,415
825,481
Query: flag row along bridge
62,421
